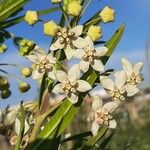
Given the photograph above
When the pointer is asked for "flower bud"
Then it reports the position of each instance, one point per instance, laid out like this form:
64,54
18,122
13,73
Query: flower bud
4,84
24,87
74,8
31,17
26,72
107,14
3,48
50,28
5,94
56,1
94,32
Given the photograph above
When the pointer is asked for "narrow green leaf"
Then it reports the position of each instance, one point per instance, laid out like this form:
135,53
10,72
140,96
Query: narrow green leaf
66,112
93,140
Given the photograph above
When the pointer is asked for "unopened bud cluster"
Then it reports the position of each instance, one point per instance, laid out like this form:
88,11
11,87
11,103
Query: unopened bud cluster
3,48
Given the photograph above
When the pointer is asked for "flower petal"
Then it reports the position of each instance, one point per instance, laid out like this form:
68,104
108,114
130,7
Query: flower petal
36,75
137,68
61,76
95,127
120,80
98,65
39,52
83,86
57,45
51,58
74,73
33,58
107,83
79,53
84,65
131,90
101,51
97,102
110,106
112,124
80,43
10,118
90,42
58,89
77,30
69,52
127,66
73,98
51,75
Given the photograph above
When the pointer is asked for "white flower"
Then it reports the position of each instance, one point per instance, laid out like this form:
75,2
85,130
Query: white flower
69,40
44,63
91,56
102,114
116,88
70,84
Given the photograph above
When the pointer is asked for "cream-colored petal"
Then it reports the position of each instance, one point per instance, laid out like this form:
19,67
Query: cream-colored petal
80,43
36,75
120,80
74,73
107,83
69,51
110,106
83,86
51,75
137,68
79,53
127,66
90,42
84,65
95,127
112,124
57,45
40,53
77,30
1,116
101,51
58,89
61,76
10,118
116,74
33,58
51,58
73,98
131,90
97,102
98,65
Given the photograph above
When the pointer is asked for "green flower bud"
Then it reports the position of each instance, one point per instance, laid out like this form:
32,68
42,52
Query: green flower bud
5,94
4,84
24,87
3,48
26,72
22,42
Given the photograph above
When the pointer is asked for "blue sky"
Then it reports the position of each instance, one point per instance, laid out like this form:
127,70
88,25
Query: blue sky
134,13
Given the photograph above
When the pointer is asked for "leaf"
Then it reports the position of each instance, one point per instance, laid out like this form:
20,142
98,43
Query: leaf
66,112
93,140
17,20
9,7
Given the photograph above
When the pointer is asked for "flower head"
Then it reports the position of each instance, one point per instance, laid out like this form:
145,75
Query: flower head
44,63
31,17
69,40
94,32
102,114
116,88
70,84
107,14
91,56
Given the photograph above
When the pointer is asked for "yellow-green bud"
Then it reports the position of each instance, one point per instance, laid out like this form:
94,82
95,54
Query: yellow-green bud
24,87
3,48
50,28
5,94
31,17
107,14
22,42
94,32
30,43
26,72
56,1
4,84
74,8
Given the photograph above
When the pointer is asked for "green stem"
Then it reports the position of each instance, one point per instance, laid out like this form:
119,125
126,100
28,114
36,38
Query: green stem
85,8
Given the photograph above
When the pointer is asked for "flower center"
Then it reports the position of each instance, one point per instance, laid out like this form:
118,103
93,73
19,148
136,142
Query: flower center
89,55
45,66
133,79
102,117
65,36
